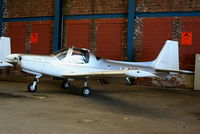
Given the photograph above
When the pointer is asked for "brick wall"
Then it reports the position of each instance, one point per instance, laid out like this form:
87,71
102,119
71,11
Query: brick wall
28,8
167,5
32,8
73,7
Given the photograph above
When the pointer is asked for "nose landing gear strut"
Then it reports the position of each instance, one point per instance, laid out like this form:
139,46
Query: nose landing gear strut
32,87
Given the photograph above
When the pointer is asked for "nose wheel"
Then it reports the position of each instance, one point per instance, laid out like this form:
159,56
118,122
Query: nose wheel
32,87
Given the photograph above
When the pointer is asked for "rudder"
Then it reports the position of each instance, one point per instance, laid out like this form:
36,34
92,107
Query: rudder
5,48
168,59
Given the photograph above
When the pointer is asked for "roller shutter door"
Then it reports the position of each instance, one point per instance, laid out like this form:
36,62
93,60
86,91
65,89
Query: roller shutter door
109,38
78,33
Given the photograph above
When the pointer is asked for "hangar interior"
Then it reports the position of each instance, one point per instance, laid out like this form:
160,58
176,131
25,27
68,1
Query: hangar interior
128,30
133,30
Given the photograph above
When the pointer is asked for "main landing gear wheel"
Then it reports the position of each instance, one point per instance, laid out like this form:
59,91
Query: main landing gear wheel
65,84
32,87
86,91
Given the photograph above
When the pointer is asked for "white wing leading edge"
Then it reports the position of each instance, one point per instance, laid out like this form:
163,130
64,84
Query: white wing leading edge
131,73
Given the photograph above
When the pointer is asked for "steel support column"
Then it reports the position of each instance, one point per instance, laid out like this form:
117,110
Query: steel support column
131,21
58,24
1,16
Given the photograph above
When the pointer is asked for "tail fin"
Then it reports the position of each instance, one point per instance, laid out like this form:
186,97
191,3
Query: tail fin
5,48
168,59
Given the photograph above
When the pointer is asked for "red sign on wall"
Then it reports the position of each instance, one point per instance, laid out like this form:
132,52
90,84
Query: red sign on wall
34,37
186,38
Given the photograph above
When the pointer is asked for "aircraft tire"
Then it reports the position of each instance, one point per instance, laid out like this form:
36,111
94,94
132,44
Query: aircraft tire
65,84
31,88
86,91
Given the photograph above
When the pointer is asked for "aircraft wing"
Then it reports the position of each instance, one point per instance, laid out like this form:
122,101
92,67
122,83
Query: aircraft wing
106,73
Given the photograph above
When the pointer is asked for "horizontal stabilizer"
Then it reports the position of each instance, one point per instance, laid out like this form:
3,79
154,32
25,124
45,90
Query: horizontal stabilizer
176,71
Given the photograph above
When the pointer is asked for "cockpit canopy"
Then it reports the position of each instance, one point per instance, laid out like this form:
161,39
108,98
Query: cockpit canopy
73,55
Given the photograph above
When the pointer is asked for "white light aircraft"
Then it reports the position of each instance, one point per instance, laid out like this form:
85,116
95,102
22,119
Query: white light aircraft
76,63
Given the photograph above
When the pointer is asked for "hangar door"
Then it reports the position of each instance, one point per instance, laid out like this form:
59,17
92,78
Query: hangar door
20,34
43,43
155,32
109,38
188,52
16,31
78,33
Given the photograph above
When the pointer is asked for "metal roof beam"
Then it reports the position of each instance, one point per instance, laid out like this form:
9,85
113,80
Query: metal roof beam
169,14
24,19
95,16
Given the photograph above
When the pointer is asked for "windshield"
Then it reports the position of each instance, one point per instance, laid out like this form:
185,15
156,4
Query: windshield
61,53
80,56
76,55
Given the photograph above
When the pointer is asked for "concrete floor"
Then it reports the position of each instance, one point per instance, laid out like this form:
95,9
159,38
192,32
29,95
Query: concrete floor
114,108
